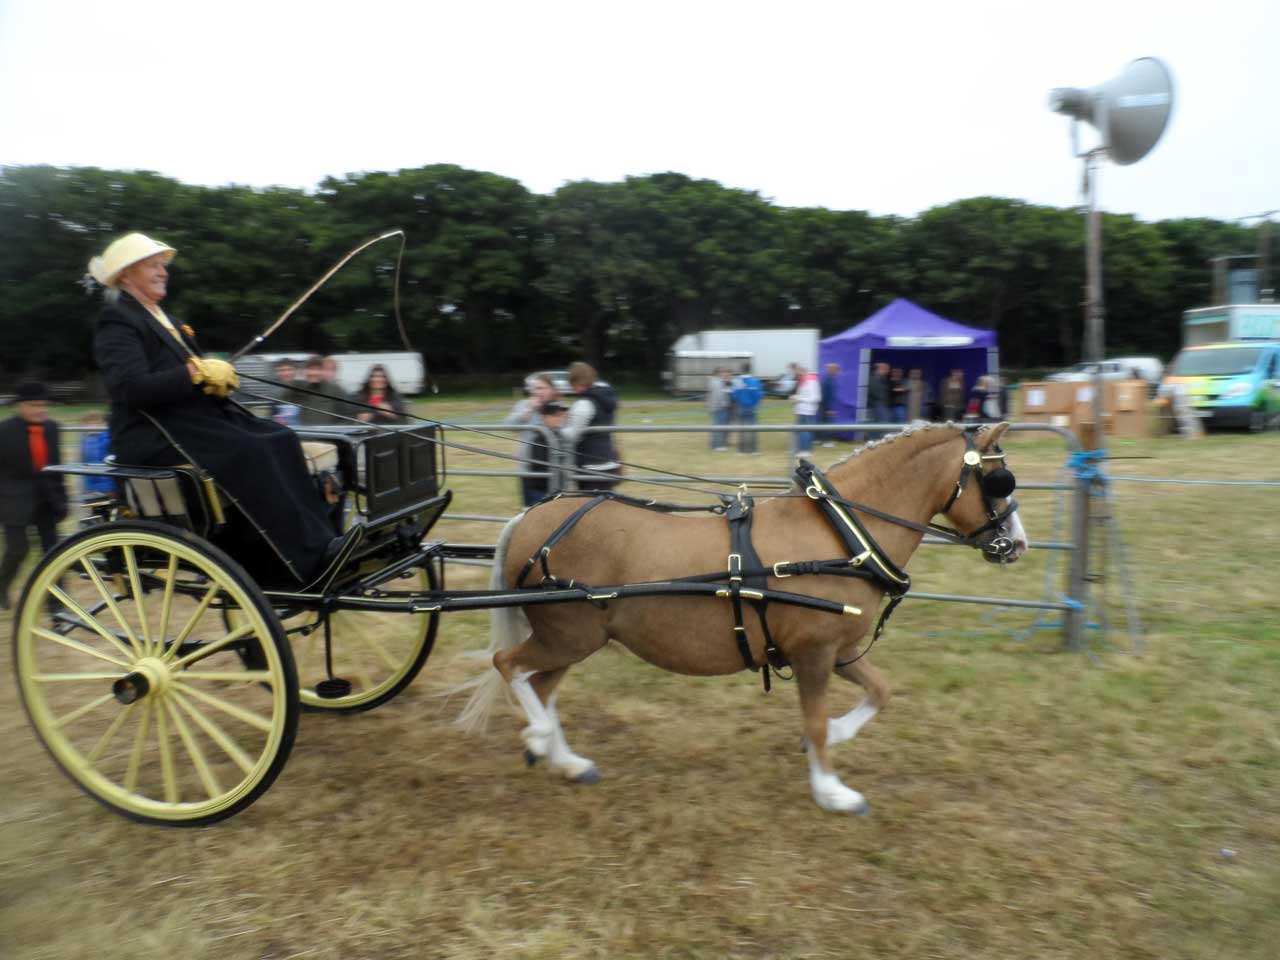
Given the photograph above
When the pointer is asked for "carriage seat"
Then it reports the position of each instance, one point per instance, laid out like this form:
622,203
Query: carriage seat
321,457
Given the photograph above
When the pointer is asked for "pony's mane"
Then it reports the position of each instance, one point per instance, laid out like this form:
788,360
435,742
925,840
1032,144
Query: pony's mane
912,430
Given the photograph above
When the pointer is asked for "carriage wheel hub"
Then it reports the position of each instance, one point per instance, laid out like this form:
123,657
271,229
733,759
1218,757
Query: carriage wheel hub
150,675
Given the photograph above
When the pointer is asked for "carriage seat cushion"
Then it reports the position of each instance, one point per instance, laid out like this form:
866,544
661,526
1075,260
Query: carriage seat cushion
321,457
156,498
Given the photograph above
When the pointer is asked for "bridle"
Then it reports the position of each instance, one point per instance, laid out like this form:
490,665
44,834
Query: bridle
992,538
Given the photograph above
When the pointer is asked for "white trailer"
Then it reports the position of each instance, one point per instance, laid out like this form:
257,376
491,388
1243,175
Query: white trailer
772,349
687,371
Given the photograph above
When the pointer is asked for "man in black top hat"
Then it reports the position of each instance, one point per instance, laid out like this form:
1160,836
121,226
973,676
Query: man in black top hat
29,442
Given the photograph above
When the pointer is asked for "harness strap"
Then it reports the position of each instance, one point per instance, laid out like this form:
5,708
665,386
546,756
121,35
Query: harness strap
556,536
891,606
865,552
744,566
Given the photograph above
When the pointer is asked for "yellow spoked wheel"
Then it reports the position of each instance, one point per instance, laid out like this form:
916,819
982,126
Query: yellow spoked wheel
377,654
138,687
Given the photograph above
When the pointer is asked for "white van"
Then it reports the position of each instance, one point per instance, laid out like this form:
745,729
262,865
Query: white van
1121,368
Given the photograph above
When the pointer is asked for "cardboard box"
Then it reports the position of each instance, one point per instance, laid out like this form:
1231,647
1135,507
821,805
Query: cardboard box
1047,397
1127,395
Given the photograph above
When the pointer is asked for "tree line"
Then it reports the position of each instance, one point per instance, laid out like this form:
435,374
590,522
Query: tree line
497,278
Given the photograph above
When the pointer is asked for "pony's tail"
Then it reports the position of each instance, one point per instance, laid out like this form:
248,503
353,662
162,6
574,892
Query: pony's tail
508,627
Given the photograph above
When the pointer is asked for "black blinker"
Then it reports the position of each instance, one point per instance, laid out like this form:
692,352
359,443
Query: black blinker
998,484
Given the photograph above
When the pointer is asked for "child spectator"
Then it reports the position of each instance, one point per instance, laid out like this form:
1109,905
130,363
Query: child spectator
95,444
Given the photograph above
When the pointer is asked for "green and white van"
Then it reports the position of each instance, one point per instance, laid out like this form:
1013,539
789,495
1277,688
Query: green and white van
1234,384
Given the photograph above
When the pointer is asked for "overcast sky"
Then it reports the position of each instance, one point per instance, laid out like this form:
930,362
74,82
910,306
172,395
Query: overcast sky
887,107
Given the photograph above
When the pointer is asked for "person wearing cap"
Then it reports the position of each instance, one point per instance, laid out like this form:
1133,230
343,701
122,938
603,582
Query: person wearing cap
171,405
29,442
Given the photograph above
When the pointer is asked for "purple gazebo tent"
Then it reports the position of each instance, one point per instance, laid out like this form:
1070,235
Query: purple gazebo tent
904,335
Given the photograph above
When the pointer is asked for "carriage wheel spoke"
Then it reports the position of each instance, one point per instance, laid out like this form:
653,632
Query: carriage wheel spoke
207,777
192,621
109,734
89,620
366,680
135,585
240,713
139,741
82,647
195,656
79,712
166,604
232,676
377,647
166,757
216,733
66,677
111,605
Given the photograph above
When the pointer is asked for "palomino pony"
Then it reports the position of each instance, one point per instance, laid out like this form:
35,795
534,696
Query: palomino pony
894,486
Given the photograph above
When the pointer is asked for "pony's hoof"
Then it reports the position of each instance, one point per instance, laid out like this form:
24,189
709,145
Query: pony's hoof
587,778
530,758
862,810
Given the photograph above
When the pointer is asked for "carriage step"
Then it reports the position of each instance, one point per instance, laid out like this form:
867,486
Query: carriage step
333,688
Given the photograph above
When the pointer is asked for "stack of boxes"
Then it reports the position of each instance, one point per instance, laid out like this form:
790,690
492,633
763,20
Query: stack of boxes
1070,404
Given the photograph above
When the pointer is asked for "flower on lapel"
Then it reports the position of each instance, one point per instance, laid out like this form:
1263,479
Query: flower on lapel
186,328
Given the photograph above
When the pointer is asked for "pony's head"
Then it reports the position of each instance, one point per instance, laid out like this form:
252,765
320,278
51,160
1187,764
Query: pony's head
981,504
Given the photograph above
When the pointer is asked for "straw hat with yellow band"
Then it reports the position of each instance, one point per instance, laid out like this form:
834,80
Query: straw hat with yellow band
124,252
216,377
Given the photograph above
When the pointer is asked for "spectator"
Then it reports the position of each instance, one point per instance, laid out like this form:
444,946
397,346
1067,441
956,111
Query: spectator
595,404
918,398
953,396
746,394
977,396
28,498
540,408
284,410
806,400
95,444
329,408
719,406
898,395
879,395
827,413
992,405
330,367
380,392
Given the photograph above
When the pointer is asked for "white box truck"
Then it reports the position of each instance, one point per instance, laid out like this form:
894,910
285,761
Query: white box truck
771,350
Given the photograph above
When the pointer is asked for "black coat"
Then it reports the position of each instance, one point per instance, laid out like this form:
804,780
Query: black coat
23,489
160,418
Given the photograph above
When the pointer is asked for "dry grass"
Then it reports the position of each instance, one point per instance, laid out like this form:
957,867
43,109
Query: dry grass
1027,802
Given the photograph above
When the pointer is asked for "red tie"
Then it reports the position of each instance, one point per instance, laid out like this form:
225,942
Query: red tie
39,449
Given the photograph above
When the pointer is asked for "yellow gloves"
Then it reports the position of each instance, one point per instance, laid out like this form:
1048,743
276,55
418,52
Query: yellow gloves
216,377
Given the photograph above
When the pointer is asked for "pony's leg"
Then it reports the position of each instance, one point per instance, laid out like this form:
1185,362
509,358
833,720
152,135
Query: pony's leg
828,791
865,674
559,756
524,666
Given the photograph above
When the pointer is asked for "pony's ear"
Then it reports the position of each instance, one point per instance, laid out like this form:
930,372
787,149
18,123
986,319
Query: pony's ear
988,437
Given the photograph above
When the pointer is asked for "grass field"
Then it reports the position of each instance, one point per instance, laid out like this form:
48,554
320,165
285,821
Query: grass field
1027,802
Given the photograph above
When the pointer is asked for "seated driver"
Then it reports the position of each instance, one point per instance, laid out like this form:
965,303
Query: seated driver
171,405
